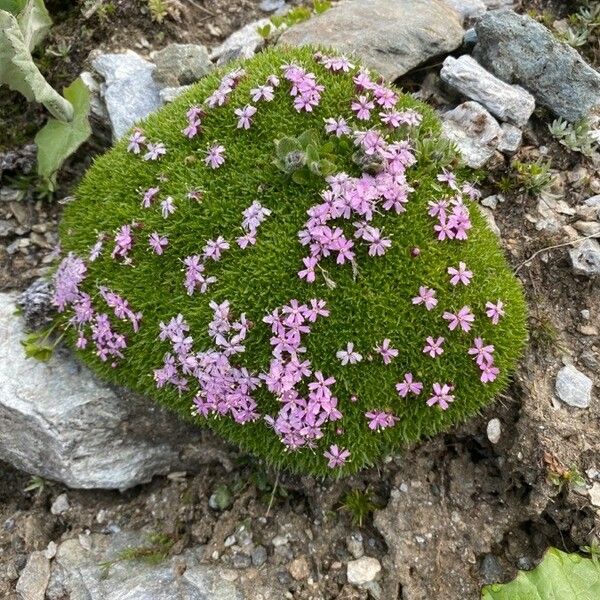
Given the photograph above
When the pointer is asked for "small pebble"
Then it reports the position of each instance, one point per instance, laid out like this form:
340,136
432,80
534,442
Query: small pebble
259,556
573,387
363,570
241,561
60,505
494,430
299,568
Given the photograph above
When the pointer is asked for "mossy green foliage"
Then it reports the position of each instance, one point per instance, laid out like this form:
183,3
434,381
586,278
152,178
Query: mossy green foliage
365,306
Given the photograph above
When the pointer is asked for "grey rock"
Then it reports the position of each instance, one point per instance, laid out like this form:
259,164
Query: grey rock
494,430
474,131
511,139
507,102
518,49
243,43
585,258
363,570
169,94
76,575
488,215
180,64
468,9
129,91
594,202
241,560
60,505
490,569
97,106
271,5
573,387
590,359
36,305
390,36
259,556
354,544
34,578
58,422
7,227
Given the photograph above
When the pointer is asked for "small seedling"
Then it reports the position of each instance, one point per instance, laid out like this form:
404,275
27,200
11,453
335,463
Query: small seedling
533,177
37,484
360,505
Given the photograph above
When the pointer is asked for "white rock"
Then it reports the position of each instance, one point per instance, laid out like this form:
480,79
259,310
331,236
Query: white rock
585,258
511,139
573,387
594,493
508,102
57,421
129,91
494,430
363,570
474,131
169,94
491,221
60,505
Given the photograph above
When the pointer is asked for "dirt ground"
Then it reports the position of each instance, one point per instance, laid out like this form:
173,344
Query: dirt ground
454,512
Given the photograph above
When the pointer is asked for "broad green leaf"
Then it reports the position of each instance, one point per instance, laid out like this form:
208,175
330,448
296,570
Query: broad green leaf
560,576
58,140
14,7
34,21
17,69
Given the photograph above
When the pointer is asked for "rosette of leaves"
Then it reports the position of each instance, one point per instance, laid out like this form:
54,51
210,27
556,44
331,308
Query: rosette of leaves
290,254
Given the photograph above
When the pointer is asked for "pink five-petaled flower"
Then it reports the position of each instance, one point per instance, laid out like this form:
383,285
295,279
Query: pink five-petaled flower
348,356
448,177
136,139
214,248
463,318
245,116
336,456
441,396
362,106
433,347
482,353
215,156
460,275
378,245
495,311
155,151
310,262
157,242
262,92
148,197
123,241
338,126
167,207
379,420
489,373
409,386
387,352
427,297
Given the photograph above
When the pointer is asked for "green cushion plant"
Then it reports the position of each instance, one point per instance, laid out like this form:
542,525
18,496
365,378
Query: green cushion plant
278,254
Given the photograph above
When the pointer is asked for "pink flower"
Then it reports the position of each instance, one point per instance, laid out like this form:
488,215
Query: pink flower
215,156
433,347
460,275
148,197
136,139
385,97
157,242
310,262
379,420
489,373
337,126
409,386
482,353
336,456
214,248
248,239
155,151
441,396
245,116
470,190
362,81
463,318
123,241
426,296
348,356
495,311
387,352
167,207
448,177
363,107
378,245
262,92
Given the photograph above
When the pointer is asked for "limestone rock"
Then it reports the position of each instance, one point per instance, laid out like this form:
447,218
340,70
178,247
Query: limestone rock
363,570
585,258
180,64
573,387
34,578
241,44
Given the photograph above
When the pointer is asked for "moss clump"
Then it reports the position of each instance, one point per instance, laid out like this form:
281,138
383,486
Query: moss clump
285,160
